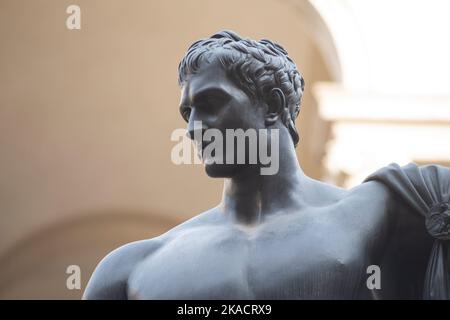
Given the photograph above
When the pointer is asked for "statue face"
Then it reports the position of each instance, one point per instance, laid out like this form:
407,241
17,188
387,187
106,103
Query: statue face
211,97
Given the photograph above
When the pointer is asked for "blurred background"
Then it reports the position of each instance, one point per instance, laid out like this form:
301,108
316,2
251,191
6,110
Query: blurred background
86,115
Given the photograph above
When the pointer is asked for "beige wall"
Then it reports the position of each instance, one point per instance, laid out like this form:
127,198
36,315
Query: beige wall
86,118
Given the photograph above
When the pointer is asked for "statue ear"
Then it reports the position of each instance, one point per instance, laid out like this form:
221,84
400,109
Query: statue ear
276,104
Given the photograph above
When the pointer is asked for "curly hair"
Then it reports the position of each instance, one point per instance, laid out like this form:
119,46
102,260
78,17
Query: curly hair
256,67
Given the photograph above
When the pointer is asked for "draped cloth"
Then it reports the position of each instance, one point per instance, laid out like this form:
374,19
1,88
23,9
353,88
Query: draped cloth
426,189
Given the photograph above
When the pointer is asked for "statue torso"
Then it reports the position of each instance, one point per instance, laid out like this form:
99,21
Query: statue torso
321,252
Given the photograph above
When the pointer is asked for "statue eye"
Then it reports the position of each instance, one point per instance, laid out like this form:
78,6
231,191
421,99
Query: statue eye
211,100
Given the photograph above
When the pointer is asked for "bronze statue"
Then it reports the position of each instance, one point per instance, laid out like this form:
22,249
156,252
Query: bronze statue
283,235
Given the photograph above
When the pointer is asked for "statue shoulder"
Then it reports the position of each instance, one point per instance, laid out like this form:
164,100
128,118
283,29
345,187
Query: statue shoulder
371,203
369,187
109,280
370,193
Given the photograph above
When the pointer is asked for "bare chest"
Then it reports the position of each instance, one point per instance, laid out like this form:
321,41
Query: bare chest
311,256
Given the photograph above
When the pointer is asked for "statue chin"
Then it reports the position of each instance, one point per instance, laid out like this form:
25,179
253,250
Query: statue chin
215,170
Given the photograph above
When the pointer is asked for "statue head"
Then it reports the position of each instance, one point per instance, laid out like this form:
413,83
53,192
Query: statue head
242,83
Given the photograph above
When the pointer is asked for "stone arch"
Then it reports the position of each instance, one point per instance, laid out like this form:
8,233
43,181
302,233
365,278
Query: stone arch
35,267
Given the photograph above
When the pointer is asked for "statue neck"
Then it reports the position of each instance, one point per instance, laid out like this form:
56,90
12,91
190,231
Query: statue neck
249,197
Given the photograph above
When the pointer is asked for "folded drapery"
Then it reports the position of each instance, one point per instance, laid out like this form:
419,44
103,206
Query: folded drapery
426,189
